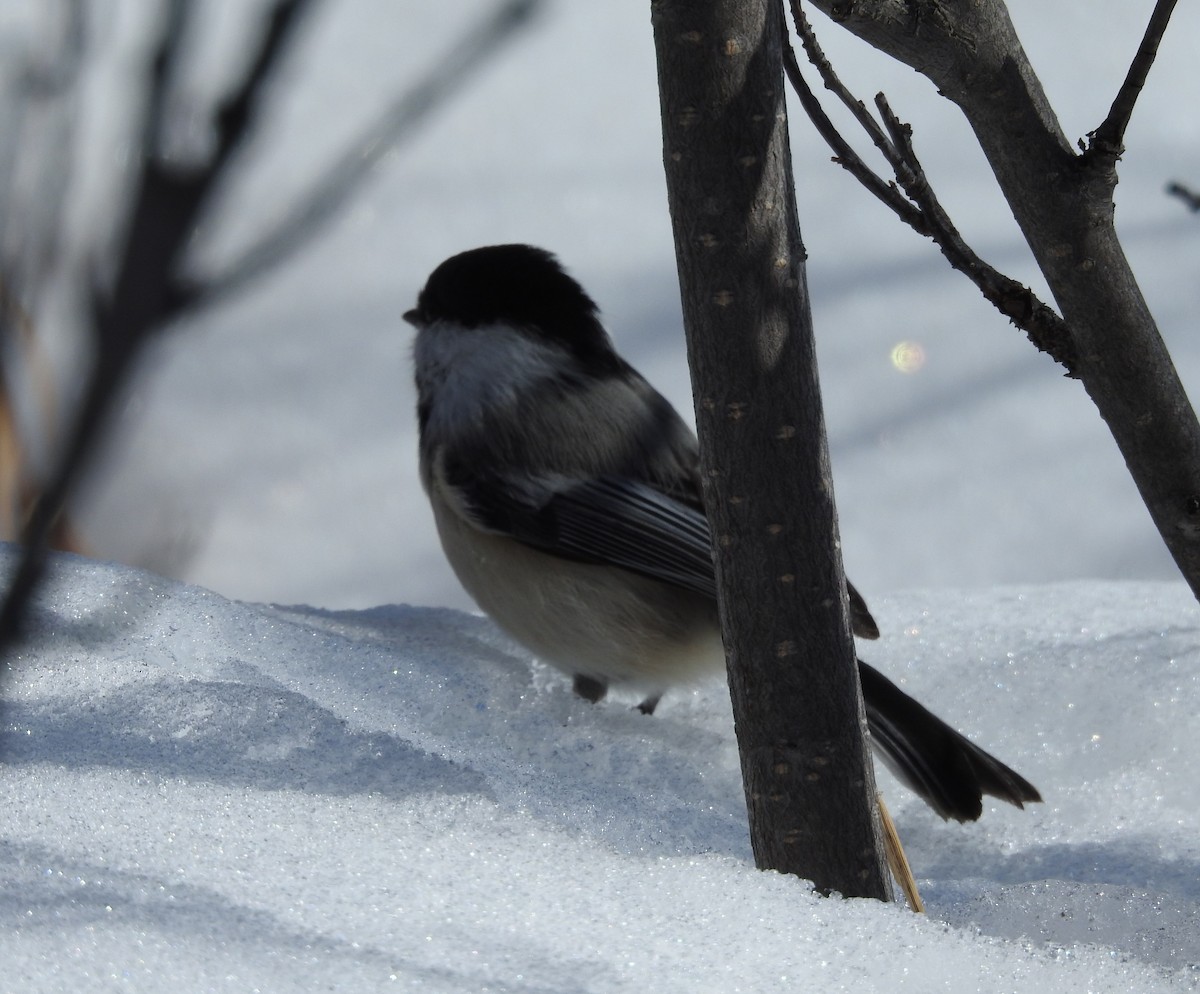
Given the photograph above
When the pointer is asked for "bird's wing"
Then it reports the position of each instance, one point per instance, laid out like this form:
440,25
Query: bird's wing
608,520
629,524
614,521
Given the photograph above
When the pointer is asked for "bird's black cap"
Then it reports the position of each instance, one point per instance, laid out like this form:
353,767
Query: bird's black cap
518,285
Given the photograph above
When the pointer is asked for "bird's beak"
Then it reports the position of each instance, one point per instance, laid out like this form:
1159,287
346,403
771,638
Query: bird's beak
413,317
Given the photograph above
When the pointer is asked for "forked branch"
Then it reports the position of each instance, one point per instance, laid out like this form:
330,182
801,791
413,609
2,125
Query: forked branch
913,199
1108,139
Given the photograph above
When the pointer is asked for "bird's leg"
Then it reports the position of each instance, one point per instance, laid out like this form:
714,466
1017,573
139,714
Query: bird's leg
649,704
589,689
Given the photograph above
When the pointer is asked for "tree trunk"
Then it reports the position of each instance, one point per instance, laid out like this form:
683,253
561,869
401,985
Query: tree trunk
797,704
1062,200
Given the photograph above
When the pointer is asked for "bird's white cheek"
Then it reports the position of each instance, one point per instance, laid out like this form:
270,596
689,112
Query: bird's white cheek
472,374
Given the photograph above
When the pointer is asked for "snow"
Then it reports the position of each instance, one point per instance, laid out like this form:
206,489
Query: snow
203,793
208,795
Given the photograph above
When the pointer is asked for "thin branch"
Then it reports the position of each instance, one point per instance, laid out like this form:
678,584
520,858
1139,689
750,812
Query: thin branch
1017,302
918,205
829,77
1108,139
236,116
843,153
175,24
1190,198
341,181
171,199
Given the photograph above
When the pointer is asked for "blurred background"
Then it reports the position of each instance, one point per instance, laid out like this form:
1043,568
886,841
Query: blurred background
266,448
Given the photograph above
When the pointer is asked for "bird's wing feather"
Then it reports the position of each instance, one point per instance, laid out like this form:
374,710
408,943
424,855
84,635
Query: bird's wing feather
632,525
607,520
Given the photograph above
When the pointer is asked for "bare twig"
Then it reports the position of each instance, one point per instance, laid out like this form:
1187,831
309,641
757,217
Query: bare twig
170,199
829,77
1015,301
1186,194
843,151
1108,139
330,191
918,204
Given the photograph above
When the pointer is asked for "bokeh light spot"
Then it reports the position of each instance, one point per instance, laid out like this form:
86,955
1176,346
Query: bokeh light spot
908,357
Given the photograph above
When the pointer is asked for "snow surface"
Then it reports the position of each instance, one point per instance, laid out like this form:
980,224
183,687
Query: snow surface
210,795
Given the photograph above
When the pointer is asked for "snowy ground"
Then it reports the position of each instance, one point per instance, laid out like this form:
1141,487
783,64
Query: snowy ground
205,794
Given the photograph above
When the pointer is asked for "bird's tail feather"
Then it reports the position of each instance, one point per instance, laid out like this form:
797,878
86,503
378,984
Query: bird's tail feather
944,767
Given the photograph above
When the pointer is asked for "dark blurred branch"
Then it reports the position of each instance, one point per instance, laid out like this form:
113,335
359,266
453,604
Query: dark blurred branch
152,287
147,292
1188,196
328,194
915,201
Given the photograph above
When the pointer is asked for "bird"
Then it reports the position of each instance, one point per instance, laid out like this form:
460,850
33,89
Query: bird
566,494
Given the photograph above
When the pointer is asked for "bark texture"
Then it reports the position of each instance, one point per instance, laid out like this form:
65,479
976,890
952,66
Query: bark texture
797,703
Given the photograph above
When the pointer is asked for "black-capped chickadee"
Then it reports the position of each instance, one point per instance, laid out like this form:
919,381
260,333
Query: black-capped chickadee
566,492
